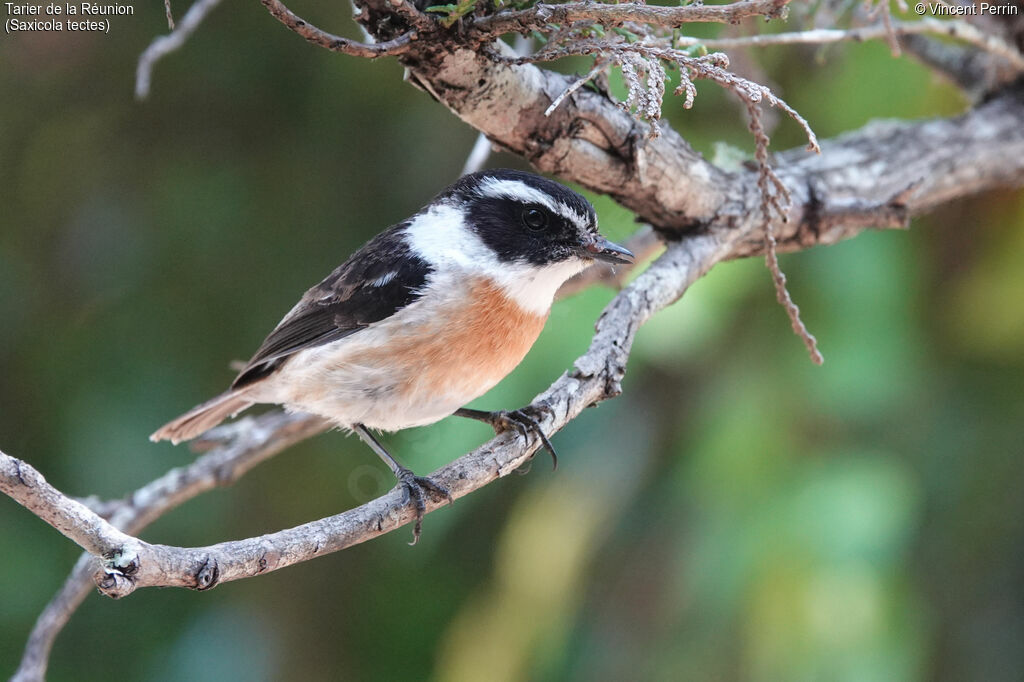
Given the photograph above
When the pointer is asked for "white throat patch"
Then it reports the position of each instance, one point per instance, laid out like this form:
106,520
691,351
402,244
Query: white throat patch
440,237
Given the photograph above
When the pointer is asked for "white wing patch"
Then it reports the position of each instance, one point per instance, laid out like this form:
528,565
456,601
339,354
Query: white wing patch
384,279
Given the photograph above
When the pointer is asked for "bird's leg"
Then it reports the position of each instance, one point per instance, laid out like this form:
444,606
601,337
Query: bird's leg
509,420
415,487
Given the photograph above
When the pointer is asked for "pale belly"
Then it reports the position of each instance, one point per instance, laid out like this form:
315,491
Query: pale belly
414,368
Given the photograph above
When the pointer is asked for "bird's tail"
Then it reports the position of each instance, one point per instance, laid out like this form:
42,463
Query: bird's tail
202,418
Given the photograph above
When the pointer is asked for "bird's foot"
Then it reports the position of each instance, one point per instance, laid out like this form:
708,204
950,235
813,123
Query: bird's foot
418,489
414,488
520,421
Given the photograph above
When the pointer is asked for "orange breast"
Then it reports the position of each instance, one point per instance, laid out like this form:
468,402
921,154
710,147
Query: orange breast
484,340
467,346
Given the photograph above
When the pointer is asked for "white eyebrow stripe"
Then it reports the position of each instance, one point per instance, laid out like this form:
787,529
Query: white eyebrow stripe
582,221
514,189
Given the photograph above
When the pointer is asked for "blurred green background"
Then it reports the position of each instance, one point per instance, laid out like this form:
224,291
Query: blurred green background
738,514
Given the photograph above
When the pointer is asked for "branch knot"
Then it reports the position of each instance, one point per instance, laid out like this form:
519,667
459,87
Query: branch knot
209,574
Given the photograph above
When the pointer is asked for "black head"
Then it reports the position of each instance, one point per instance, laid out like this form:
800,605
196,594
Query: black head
525,218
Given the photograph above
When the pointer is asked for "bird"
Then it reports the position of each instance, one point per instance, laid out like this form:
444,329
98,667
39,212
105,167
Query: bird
427,316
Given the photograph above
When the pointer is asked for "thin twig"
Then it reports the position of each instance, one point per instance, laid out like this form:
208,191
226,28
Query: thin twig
334,43
201,8
164,45
478,155
775,203
885,10
928,25
599,66
170,16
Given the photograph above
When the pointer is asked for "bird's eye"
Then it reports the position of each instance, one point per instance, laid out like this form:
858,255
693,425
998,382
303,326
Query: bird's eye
535,219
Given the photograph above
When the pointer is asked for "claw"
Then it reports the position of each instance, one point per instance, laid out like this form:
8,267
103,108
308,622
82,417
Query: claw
415,489
518,420
413,486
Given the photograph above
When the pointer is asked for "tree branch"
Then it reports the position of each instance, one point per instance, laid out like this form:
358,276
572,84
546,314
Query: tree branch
832,200
711,214
26,486
539,17
129,563
242,445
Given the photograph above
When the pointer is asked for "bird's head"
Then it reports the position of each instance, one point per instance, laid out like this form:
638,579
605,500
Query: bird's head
527,219
525,233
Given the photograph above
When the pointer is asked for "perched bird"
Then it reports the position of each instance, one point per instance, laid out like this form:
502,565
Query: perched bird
427,316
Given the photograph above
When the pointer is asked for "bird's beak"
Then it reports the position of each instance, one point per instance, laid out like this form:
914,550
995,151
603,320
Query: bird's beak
600,248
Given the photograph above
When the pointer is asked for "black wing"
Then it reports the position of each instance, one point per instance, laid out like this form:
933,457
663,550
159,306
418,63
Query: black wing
379,279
